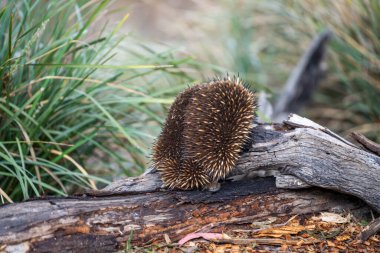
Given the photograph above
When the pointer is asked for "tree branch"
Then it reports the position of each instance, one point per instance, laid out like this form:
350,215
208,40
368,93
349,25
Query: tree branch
138,208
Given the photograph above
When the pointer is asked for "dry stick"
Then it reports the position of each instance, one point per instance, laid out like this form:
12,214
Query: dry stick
372,228
374,147
269,241
231,221
261,229
208,227
304,78
367,143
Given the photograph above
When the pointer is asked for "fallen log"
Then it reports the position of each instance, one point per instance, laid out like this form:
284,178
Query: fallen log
105,224
139,211
315,156
303,153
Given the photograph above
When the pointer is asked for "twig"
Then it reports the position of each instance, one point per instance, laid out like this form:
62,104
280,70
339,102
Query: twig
261,229
232,221
269,241
367,143
372,228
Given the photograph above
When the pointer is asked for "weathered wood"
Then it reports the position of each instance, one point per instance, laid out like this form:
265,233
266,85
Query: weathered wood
316,156
104,224
104,220
368,144
303,80
312,154
290,182
372,228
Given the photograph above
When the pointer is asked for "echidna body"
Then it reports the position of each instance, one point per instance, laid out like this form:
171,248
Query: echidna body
205,130
175,170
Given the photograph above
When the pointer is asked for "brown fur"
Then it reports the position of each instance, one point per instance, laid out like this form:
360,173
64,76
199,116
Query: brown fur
175,171
204,132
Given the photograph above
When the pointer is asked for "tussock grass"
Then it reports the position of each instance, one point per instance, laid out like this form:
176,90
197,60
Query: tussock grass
70,118
263,41
80,104
349,99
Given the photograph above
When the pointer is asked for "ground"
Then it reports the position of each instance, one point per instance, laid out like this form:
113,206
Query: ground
323,232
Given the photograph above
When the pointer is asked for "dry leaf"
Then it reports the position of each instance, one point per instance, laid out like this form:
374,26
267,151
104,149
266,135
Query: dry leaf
167,239
333,217
284,247
206,236
342,238
285,230
263,224
330,243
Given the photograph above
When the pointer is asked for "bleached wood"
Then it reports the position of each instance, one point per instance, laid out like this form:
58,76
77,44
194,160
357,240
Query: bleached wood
105,224
316,156
103,221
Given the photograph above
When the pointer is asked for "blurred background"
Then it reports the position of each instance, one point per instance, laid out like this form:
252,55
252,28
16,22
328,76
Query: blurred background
86,85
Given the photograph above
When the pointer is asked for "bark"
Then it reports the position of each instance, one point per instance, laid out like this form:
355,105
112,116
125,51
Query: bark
370,229
305,153
316,156
304,79
105,224
140,211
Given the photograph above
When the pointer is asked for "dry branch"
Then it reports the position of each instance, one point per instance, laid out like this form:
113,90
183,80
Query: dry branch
104,220
370,229
304,78
316,156
79,224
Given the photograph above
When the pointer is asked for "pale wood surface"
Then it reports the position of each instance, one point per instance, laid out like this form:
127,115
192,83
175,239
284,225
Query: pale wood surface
103,221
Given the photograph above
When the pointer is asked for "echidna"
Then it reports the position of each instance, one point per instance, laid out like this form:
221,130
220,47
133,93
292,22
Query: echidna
205,130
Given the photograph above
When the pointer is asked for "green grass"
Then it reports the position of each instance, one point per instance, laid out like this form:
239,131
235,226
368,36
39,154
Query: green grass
264,40
70,118
80,104
349,98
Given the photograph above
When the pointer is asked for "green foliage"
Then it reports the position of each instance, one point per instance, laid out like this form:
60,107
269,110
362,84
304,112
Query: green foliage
66,113
354,63
80,105
264,40
349,98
